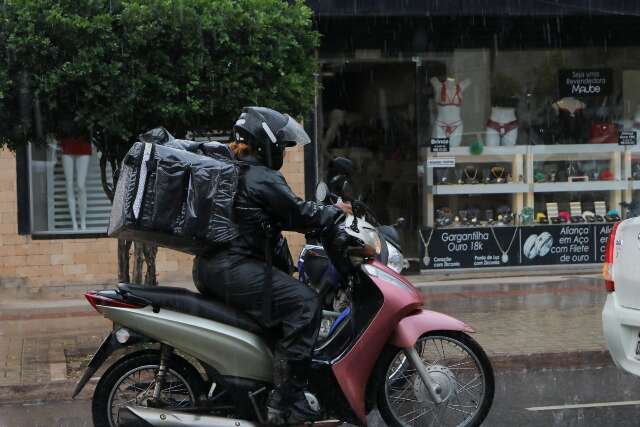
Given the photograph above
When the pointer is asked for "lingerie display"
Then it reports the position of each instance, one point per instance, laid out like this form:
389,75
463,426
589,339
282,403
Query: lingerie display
448,100
502,127
72,146
445,100
571,120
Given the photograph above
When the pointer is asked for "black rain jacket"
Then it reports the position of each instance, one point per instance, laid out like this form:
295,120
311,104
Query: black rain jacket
264,197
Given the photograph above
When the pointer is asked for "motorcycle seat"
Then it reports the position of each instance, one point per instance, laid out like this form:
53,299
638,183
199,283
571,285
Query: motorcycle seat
188,302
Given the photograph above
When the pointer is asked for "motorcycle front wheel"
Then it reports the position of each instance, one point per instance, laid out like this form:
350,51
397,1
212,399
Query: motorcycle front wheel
460,367
131,382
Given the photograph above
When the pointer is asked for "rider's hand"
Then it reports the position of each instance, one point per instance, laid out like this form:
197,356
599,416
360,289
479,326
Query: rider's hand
336,242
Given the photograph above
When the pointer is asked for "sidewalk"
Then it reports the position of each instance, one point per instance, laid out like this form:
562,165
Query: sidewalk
521,322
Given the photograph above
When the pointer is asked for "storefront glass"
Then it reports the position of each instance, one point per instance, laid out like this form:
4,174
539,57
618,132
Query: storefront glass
66,189
368,116
507,157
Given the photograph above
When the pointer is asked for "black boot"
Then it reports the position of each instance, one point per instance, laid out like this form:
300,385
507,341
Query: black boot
290,402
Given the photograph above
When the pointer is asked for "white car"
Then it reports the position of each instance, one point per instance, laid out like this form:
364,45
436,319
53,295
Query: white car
621,313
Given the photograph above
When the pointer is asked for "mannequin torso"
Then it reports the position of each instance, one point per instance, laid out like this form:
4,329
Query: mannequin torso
448,103
570,113
635,126
502,127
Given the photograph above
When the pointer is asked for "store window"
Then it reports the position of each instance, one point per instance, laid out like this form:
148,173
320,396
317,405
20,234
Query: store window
540,153
496,158
66,189
368,116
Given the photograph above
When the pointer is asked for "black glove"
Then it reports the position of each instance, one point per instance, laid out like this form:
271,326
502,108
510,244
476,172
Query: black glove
335,241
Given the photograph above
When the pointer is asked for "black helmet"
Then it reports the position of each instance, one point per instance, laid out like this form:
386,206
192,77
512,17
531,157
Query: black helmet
269,133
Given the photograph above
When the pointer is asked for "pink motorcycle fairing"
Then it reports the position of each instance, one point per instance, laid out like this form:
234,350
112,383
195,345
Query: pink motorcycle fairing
352,371
399,322
414,326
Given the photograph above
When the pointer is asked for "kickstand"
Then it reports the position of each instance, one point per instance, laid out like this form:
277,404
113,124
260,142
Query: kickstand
256,408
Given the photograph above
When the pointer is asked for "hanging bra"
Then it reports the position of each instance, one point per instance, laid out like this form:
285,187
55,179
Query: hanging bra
569,112
502,128
455,100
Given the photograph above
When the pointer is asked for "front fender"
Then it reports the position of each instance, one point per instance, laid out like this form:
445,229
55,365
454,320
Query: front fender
419,323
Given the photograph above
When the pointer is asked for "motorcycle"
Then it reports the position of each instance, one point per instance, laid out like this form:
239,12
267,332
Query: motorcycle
314,267
191,361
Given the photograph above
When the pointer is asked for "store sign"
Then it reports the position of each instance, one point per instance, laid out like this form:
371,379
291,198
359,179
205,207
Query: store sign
442,162
478,247
472,247
627,137
585,82
439,145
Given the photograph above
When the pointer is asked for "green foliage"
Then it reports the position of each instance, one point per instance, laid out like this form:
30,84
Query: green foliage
120,67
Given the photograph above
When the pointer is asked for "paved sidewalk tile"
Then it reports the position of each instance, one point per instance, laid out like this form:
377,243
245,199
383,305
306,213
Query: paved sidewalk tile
538,331
50,344
33,351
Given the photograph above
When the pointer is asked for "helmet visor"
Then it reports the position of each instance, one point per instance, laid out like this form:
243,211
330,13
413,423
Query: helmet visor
293,133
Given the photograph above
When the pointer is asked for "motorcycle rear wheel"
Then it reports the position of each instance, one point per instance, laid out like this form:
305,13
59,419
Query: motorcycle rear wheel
130,381
456,362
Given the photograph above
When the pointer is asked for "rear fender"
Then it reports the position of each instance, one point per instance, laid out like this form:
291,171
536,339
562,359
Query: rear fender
419,323
106,349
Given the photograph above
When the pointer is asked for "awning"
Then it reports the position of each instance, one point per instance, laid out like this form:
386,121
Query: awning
328,8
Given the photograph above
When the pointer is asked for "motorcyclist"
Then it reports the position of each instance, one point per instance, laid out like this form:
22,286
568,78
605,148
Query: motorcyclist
237,274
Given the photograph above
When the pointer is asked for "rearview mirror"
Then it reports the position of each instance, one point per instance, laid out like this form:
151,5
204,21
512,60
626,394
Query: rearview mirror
322,191
347,191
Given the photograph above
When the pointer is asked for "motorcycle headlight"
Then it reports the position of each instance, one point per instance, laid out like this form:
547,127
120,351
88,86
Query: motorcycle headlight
396,260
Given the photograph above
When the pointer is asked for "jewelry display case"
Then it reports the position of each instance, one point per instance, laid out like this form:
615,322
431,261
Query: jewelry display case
534,175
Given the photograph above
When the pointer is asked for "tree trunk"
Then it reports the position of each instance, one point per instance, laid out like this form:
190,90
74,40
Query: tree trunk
144,256
124,248
138,258
150,252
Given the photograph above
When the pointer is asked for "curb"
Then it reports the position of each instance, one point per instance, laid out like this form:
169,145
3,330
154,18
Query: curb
53,391
553,360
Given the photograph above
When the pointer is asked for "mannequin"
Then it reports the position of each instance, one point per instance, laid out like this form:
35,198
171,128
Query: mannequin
76,153
502,127
570,112
448,97
635,126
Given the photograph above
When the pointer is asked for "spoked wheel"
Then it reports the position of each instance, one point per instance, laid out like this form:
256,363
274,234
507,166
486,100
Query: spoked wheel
460,368
132,382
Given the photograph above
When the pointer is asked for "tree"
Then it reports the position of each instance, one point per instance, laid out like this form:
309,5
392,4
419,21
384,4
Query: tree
120,67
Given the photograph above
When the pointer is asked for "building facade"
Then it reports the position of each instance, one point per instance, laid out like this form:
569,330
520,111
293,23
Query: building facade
55,260
505,133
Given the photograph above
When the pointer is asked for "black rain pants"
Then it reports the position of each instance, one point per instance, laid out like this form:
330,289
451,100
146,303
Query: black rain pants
239,281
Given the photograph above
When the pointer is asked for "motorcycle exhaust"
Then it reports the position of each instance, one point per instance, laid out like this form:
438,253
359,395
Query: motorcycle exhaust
137,416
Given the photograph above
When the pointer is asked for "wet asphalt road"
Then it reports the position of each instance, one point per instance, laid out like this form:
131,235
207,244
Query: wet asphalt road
602,394
516,391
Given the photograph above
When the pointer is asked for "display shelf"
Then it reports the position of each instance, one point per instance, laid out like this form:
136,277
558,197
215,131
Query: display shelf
576,149
524,161
553,187
488,155
509,188
635,185
574,152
